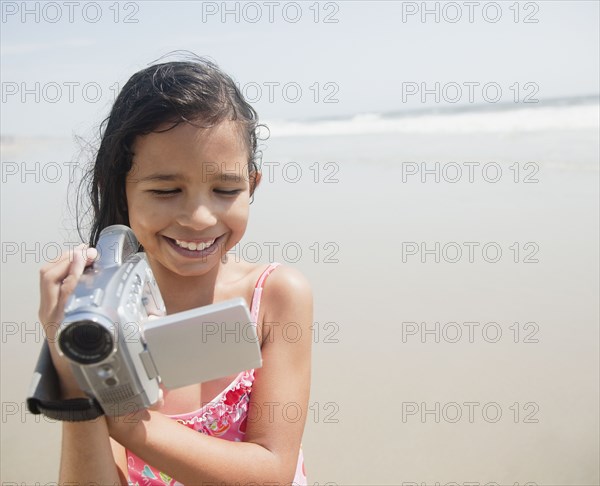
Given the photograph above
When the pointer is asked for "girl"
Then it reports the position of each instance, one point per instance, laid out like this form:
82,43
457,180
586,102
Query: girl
177,164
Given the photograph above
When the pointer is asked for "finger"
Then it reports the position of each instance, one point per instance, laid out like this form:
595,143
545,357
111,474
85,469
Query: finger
66,270
81,259
91,255
65,258
51,278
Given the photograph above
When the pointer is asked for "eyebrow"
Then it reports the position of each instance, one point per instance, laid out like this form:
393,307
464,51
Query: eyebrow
222,176
158,177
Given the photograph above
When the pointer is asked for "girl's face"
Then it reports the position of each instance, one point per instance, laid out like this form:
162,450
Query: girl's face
188,196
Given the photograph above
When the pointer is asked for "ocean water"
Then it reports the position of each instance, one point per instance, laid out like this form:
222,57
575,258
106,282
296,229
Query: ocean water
454,262
578,113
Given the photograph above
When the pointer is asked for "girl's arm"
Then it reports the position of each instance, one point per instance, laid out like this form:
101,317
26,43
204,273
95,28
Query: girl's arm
87,454
277,409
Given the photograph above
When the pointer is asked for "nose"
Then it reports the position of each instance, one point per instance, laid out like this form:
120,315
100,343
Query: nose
197,214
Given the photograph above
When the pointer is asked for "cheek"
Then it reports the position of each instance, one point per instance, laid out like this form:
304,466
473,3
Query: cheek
137,222
239,213
143,215
133,209
236,219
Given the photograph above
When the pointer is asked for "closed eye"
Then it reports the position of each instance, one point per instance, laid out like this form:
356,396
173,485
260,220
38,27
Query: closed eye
163,192
232,192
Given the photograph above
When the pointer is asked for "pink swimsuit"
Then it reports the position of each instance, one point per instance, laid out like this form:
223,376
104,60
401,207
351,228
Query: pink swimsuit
224,417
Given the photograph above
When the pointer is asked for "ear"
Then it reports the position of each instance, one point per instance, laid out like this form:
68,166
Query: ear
255,179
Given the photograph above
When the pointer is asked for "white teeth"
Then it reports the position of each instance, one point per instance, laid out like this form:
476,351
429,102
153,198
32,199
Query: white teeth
190,245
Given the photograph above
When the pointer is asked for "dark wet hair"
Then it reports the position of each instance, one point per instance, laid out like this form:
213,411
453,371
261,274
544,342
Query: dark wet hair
194,90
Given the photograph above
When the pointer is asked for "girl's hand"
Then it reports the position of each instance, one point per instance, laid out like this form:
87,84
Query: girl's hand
57,282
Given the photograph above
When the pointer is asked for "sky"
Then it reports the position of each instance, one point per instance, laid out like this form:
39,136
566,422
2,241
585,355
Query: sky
62,63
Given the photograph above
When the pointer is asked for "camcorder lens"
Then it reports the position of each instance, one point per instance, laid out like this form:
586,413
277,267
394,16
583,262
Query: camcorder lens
86,342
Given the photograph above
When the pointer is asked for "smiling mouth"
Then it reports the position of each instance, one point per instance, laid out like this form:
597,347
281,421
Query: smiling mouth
195,245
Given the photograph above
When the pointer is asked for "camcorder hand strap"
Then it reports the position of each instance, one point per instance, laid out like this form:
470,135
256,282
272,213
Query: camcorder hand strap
44,395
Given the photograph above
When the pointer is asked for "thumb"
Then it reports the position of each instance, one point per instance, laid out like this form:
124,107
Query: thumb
91,254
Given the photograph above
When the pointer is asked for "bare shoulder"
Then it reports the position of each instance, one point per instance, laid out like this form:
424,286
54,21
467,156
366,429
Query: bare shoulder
287,284
286,291
288,301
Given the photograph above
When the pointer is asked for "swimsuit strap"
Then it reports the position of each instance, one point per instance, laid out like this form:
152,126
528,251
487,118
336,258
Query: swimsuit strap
258,288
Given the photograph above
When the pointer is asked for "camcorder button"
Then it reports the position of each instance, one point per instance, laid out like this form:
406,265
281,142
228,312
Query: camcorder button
127,271
97,297
111,381
70,303
105,371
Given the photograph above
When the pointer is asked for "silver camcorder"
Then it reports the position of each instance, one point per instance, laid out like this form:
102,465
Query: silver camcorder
101,332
